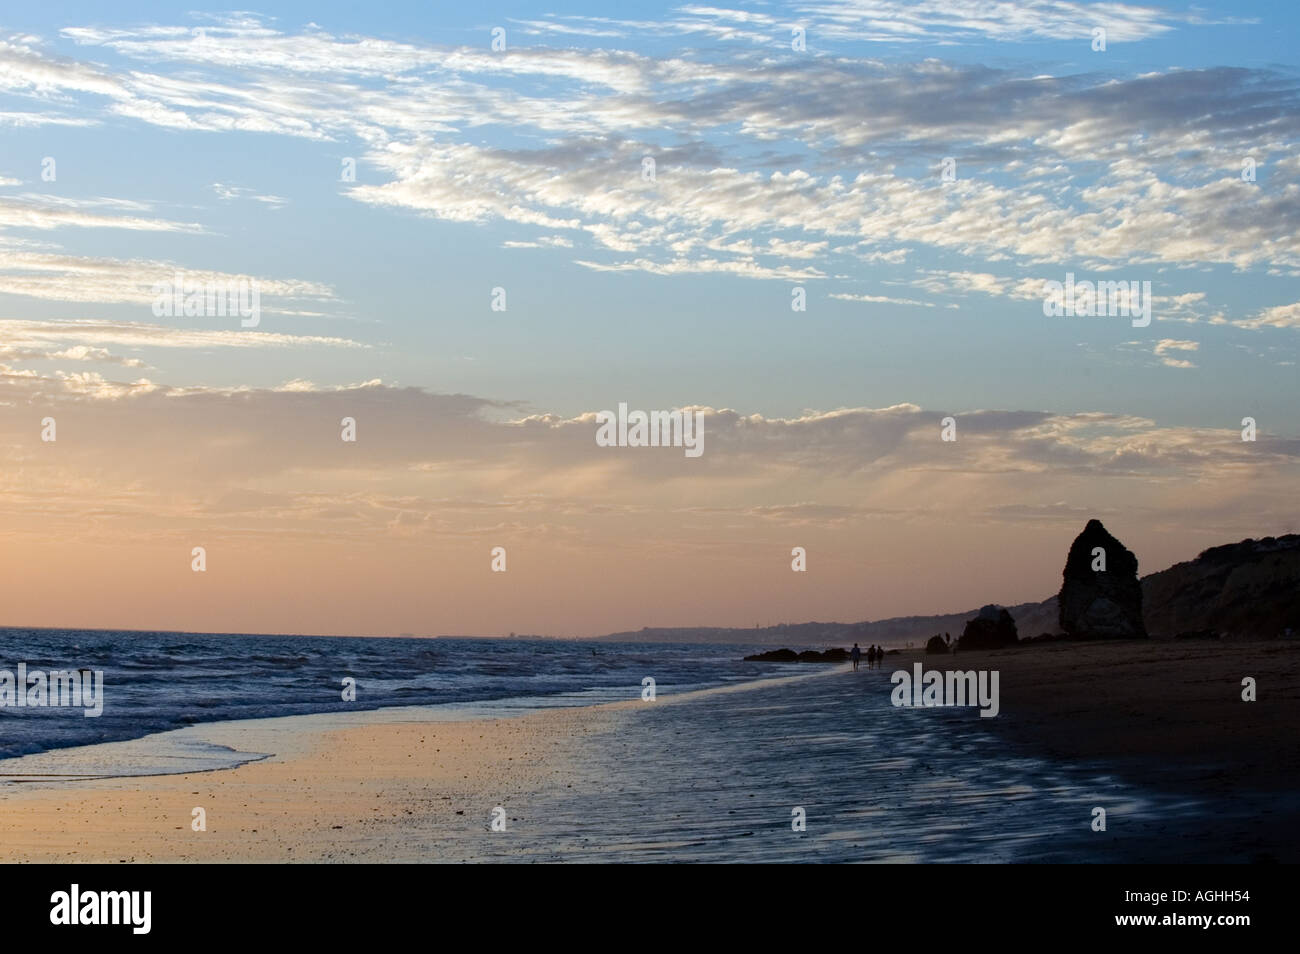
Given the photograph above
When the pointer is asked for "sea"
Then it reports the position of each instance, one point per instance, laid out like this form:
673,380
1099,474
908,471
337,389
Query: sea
157,681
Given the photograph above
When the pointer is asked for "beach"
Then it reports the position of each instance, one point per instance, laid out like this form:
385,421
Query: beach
1155,733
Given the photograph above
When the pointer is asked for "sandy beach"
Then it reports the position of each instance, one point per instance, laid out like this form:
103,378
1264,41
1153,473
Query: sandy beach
1155,732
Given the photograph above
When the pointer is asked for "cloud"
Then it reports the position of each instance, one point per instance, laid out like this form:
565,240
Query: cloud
885,300
262,478
53,212
1167,345
1278,316
893,21
962,283
52,339
742,268
230,192
73,278
294,430
1136,169
21,120
768,166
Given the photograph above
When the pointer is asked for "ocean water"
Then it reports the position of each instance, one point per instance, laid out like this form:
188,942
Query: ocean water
157,681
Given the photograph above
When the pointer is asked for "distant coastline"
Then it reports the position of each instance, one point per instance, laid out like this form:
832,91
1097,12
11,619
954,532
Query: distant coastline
1248,589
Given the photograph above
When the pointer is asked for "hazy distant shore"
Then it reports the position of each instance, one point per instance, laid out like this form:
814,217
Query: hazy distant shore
1154,732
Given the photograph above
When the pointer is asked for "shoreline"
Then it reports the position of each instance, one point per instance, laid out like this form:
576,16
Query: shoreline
188,742
48,819
1156,731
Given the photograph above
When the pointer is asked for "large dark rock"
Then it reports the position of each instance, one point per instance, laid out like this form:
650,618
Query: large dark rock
936,645
774,655
1100,604
833,655
991,629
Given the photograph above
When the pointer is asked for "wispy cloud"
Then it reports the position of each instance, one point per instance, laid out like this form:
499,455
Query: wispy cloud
886,300
1166,193
894,21
1167,348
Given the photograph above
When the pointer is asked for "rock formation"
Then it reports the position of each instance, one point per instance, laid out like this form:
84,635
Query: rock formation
936,645
1246,589
1101,597
833,655
993,628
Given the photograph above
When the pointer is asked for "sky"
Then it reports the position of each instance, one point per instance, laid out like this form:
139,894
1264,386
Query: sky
649,190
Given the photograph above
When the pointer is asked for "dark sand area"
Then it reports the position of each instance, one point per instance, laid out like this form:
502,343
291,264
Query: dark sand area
1168,713
1167,716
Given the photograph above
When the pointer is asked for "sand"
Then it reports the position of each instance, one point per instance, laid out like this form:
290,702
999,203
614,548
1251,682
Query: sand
1166,714
394,790
1155,731
351,794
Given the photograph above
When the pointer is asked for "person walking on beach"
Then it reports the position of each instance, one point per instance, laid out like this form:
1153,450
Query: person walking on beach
871,655
855,653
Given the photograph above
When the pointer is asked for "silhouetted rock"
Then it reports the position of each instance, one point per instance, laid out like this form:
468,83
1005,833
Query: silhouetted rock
936,645
808,655
774,655
991,629
831,655
1100,603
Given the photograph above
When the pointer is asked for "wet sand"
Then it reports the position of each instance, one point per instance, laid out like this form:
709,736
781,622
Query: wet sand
367,793
1155,733
1168,714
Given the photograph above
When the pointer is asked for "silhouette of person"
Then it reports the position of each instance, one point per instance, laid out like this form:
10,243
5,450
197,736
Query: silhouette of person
856,654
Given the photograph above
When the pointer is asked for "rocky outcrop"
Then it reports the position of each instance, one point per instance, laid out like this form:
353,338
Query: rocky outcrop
993,628
808,655
1100,597
1246,589
936,645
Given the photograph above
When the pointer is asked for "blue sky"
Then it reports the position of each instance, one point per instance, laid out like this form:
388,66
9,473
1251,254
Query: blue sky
415,287
211,143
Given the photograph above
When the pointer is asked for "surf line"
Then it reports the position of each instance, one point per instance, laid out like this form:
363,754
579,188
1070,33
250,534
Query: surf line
922,688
